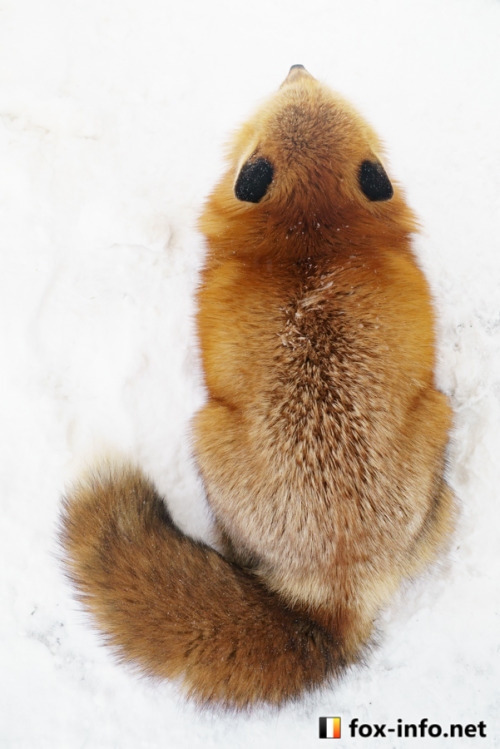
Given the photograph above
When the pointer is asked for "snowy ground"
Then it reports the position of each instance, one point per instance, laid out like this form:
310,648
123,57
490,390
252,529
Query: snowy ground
112,118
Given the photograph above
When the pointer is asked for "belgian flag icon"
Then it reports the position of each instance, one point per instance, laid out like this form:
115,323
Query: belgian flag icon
329,728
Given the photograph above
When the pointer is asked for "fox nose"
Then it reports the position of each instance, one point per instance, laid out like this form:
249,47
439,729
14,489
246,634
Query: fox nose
296,72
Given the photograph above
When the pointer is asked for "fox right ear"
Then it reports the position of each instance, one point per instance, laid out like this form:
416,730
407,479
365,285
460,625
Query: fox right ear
253,180
374,181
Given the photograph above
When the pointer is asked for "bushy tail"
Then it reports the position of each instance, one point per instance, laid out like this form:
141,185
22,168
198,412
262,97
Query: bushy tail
177,609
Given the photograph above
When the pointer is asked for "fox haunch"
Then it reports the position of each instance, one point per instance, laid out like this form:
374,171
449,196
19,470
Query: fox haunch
322,441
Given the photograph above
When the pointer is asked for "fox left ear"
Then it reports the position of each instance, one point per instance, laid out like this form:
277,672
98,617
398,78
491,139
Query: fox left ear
374,181
253,180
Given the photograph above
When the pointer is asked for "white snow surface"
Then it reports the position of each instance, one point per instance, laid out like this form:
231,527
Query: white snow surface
113,116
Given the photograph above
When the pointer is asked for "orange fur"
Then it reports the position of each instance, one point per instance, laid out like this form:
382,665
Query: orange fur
322,441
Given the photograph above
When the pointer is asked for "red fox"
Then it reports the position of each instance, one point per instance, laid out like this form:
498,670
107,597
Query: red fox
322,441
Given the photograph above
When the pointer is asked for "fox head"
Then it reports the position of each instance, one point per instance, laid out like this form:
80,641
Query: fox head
303,167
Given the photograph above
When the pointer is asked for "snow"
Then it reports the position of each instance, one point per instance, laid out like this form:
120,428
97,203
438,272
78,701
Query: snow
113,115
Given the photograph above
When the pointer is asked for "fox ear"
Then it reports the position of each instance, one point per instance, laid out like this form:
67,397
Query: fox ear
253,180
374,181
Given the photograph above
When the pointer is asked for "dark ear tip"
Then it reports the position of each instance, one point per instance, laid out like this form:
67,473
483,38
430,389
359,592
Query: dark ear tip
374,181
253,180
